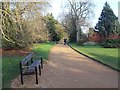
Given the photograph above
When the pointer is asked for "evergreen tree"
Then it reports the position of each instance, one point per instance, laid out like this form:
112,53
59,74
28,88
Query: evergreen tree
108,22
50,23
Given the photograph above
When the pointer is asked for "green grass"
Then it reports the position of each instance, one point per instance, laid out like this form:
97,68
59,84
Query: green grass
10,69
42,50
107,56
10,65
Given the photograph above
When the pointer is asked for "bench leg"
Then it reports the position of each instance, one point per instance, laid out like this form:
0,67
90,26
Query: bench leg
21,79
39,70
36,75
41,62
21,75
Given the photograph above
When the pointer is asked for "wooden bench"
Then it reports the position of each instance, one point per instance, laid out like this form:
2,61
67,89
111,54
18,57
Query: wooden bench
29,67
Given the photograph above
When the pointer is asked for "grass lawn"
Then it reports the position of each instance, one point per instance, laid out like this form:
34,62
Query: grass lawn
10,69
107,56
10,65
42,50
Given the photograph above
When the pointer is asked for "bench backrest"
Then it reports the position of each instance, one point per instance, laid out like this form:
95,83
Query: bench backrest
27,59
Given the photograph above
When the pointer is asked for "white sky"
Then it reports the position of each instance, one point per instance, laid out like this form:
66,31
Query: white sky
58,5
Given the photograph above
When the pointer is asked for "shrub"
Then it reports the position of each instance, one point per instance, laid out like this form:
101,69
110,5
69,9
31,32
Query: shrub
89,44
108,45
111,43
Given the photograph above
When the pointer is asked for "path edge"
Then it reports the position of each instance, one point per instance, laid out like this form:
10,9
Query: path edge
93,58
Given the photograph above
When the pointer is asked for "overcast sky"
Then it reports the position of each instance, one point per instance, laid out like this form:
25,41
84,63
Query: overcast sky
58,5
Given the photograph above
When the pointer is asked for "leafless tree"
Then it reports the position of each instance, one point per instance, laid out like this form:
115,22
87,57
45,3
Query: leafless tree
80,11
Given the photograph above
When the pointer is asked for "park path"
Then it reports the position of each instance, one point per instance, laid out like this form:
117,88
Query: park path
69,69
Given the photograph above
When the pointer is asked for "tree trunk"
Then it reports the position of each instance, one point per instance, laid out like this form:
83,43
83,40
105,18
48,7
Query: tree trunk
78,32
78,37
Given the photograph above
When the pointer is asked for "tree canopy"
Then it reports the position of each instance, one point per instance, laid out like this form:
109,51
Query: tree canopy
108,22
24,23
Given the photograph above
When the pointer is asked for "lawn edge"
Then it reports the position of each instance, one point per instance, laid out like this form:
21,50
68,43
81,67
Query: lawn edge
94,59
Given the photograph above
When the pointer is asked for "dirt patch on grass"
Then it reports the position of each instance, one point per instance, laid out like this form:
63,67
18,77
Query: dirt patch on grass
14,52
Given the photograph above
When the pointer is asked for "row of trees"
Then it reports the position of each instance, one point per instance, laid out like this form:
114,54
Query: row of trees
77,15
24,23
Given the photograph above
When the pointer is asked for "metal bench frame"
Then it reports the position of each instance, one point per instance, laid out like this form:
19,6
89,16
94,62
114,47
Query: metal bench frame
29,67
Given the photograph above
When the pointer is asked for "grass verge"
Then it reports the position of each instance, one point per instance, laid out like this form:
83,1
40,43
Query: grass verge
108,56
10,69
10,64
42,50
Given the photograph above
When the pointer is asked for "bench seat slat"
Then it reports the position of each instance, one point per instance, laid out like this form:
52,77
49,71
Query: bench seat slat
31,69
35,64
29,72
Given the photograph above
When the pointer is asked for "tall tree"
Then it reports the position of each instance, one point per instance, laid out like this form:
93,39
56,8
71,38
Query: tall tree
80,12
70,27
51,26
108,22
20,21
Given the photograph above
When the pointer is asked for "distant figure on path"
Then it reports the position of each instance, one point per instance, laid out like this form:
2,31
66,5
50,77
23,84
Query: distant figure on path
65,41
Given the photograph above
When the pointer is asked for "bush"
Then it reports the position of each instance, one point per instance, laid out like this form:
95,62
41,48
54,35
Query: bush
111,43
83,39
108,45
13,45
89,44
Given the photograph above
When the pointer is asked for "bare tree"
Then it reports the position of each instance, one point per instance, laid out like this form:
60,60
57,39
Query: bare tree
80,12
20,20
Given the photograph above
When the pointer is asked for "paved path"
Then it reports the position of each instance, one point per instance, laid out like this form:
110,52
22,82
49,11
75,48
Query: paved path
69,69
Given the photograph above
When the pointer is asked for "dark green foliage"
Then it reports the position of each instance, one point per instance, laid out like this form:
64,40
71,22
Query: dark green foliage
111,43
83,38
108,22
50,22
107,25
71,29
72,36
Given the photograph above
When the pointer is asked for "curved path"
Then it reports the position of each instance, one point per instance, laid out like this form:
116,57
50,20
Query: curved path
69,69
